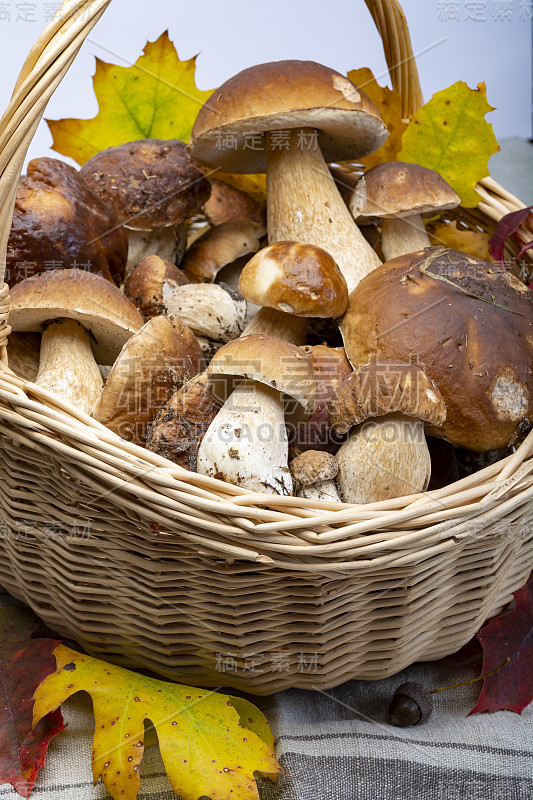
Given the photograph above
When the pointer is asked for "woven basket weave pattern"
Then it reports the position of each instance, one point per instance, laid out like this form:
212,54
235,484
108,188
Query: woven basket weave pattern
201,582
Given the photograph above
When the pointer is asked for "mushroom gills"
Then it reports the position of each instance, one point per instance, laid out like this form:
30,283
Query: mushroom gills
246,444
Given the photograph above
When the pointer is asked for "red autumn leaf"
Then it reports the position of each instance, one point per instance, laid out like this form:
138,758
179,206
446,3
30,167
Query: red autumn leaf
508,225
508,636
24,663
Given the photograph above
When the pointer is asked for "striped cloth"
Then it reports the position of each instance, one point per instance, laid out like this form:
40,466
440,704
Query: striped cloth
337,745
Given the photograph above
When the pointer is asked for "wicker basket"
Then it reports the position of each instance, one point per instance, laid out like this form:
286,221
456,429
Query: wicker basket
150,566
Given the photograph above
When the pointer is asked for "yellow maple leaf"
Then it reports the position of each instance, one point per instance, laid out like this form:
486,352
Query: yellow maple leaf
451,135
155,98
389,103
475,243
211,744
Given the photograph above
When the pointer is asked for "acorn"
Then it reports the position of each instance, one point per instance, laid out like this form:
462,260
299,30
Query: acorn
412,704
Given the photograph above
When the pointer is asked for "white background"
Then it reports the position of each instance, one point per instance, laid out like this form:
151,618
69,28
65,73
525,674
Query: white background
229,35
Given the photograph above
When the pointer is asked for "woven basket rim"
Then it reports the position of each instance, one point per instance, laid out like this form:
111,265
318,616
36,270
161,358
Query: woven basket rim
312,523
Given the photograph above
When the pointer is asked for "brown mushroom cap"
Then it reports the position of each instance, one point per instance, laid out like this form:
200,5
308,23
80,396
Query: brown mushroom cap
228,203
274,362
59,223
151,367
220,246
331,368
144,286
180,426
150,183
400,189
278,96
95,303
386,387
479,354
312,467
300,279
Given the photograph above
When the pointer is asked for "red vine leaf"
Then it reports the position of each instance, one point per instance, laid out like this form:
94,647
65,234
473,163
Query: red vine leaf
508,636
23,665
507,226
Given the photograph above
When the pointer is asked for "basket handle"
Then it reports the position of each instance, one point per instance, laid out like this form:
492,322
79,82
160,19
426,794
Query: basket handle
48,61
391,23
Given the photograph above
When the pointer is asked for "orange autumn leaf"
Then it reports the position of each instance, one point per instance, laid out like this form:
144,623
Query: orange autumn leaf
389,103
447,234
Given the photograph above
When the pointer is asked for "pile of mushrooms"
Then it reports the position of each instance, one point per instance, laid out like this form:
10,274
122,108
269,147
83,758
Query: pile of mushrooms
270,348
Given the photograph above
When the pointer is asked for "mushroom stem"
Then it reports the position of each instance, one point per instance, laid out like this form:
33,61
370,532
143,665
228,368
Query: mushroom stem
271,322
323,490
304,205
246,444
168,243
402,235
384,457
67,366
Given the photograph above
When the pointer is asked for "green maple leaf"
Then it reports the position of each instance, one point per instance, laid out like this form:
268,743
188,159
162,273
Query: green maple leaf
155,98
451,135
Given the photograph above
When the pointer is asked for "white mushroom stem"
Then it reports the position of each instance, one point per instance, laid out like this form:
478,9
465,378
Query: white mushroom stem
304,205
322,490
271,322
402,235
207,309
246,444
169,243
383,458
67,366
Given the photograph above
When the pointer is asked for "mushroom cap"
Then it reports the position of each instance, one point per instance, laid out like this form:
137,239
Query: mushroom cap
274,362
401,189
385,387
312,467
151,367
180,426
228,203
150,183
331,368
59,223
479,354
281,95
220,246
144,286
300,279
95,303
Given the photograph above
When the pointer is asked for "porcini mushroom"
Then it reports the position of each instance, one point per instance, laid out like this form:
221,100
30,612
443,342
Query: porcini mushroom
331,368
306,112
228,203
144,286
400,193
265,384
214,312
469,324
387,457
313,473
210,310
154,188
150,368
79,314
299,280
59,223
180,426
219,247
